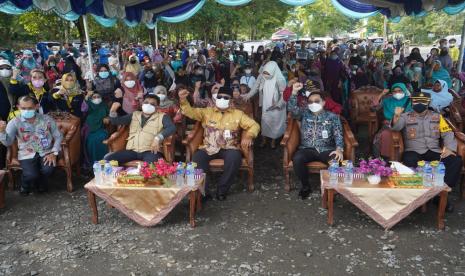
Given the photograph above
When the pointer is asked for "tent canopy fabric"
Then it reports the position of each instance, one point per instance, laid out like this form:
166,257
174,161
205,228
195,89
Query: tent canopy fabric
148,12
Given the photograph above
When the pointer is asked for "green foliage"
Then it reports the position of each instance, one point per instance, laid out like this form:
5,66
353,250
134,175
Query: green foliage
320,19
437,23
44,26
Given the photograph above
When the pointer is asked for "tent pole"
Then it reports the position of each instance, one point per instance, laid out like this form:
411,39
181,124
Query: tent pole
156,34
89,45
385,35
462,47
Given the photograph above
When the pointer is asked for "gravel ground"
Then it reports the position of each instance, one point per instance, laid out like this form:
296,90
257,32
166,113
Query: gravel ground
268,232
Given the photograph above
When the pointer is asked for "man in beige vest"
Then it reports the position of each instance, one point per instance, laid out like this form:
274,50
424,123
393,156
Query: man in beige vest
147,129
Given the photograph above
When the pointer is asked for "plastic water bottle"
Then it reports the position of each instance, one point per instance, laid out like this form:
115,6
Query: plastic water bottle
180,174
190,170
427,175
333,177
349,173
97,173
108,173
440,173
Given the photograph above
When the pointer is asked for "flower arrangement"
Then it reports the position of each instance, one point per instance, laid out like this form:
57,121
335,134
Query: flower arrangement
157,169
374,167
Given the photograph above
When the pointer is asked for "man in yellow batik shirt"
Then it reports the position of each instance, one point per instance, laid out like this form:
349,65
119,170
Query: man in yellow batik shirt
222,136
454,51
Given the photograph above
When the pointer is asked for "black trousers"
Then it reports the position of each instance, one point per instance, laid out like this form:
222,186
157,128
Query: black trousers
453,164
124,156
304,156
232,162
32,170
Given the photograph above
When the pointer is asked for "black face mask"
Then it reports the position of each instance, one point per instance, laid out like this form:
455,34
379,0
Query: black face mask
419,107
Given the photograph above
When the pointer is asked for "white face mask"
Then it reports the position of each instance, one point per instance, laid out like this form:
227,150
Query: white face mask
222,103
248,71
5,73
55,52
148,109
315,107
398,96
162,97
130,83
97,101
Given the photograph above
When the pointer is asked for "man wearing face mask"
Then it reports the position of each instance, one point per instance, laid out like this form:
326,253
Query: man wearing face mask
223,126
445,59
422,130
321,135
39,143
248,78
147,129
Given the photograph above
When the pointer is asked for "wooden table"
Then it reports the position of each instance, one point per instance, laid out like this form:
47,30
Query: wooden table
153,211
329,192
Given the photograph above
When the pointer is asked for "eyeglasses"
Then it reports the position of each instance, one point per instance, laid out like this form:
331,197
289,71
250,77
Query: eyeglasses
397,91
219,97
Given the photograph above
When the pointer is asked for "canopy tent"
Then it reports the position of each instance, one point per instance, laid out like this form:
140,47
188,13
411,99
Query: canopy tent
283,34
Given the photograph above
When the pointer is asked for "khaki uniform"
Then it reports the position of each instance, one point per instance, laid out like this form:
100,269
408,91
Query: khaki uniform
423,133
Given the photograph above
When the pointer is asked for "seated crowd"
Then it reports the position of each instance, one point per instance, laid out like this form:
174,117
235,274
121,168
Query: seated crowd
159,95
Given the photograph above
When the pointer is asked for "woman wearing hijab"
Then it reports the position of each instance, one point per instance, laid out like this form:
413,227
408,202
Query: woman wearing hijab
334,74
438,72
415,55
26,64
51,70
399,99
37,88
105,83
69,95
83,63
131,93
398,76
167,105
440,96
133,65
93,132
271,85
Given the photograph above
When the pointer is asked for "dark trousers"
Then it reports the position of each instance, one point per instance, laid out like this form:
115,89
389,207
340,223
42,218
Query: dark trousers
232,162
32,170
125,156
453,164
304,156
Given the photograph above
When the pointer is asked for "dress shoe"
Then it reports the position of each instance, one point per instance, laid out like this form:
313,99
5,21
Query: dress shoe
221,197
304,194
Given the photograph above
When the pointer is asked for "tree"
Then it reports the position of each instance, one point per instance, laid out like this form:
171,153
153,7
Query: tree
320,19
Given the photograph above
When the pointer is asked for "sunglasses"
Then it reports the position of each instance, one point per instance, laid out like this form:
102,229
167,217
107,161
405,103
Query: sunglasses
219,97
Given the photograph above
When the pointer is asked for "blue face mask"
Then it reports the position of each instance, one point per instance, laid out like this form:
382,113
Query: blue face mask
28,114
104,74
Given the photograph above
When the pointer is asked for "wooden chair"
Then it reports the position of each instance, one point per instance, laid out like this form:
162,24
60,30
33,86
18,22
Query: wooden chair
69,156
118,140
397,148
291,142
194,140
361,109
456,111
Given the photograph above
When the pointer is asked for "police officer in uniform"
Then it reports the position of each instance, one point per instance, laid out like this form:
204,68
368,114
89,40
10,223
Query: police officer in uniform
422,131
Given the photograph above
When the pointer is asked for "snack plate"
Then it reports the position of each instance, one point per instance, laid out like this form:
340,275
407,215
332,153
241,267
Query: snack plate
406,181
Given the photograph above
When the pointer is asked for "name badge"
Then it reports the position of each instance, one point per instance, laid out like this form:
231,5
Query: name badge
324,134
227,134
45,143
